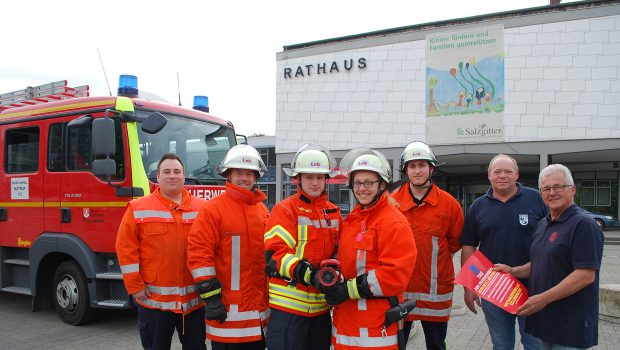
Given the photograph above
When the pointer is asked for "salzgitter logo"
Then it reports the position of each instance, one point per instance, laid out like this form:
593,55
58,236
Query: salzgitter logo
480,130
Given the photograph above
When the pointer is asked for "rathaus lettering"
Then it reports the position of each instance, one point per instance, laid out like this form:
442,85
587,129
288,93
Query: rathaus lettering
324,68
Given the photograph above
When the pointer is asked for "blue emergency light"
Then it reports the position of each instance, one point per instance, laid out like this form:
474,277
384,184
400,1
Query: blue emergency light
201,103
128,85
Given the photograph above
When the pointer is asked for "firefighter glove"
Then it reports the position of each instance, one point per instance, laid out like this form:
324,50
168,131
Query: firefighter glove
271,268
210,289
361,284
215,310
305,273
211,292
337,294
356,288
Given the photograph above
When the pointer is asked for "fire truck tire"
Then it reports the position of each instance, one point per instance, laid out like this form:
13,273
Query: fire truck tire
70,294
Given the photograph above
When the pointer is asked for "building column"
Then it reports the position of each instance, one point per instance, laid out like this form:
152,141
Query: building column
278,181
618,213
543,161
396,174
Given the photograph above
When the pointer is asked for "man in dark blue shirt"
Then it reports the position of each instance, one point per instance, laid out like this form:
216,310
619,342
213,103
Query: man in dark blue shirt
502,224
566,255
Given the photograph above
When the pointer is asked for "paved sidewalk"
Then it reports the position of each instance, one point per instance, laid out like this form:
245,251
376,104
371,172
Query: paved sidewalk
469,331
21,329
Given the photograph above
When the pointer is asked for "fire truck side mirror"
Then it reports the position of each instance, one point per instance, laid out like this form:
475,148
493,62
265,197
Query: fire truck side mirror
153,123
104,167
104,147
103,138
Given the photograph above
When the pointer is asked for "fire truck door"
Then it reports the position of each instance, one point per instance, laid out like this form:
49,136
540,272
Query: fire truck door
21,183
89,206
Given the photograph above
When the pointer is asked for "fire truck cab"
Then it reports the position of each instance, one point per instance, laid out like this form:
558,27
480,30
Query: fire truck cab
69,163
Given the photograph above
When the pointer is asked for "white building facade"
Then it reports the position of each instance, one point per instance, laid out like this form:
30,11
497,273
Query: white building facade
560,98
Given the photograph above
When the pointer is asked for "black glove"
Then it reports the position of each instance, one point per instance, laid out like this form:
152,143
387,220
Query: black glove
305,273
271,268
211,292
215,310
339,293
361,283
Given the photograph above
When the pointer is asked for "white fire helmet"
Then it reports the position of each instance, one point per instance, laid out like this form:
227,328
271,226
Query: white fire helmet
312,159
242,157
366,159
417,150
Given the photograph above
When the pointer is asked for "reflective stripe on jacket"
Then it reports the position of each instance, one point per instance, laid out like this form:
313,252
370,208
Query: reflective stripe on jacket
226,242
151,247
377,241
436,224
300,227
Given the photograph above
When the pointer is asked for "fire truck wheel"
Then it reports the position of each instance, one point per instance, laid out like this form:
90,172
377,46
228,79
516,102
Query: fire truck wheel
70,293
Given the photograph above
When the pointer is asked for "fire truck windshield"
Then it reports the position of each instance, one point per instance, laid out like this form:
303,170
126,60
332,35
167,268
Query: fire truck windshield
200,144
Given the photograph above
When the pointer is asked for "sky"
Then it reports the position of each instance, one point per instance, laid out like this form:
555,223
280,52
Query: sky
223,49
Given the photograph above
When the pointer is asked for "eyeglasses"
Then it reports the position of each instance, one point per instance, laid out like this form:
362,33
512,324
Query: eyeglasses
555,188
366,184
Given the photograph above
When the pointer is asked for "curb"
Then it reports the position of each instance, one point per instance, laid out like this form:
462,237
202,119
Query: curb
609,302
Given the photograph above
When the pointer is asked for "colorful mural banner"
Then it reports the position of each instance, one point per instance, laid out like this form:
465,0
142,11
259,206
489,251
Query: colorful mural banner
499,288
465,86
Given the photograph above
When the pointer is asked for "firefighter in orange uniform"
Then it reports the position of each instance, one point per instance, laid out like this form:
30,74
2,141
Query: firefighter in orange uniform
377,254
151,247
226,255
436,219
302,231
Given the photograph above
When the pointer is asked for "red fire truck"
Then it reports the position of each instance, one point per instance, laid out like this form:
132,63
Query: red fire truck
69,163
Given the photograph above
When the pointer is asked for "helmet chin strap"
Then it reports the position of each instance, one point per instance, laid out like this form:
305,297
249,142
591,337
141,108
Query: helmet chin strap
376,198
428,183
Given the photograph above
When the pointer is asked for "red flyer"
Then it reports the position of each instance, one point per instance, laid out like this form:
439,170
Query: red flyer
499,288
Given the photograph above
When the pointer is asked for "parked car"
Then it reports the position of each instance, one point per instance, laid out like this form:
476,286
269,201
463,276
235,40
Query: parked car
603,220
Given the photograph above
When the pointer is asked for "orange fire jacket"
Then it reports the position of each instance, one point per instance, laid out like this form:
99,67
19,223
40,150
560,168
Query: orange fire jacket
436,224
151,246
226,242
377,241
300,227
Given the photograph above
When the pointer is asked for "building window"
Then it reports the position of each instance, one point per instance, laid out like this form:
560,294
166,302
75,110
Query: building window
288,189
339,195
270,191
22,150
603,192
595,193
587,193
264,154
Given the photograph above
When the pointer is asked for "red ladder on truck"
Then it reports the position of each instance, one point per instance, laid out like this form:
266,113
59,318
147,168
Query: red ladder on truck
41,94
